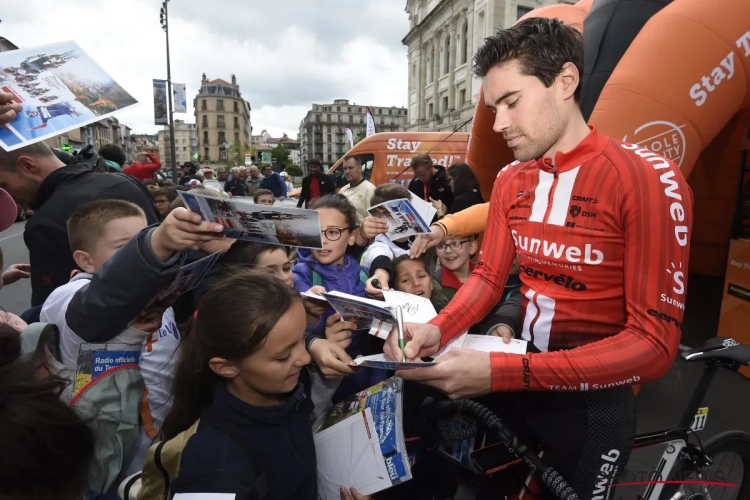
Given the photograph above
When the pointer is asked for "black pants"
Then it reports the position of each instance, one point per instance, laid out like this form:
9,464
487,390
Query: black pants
586,437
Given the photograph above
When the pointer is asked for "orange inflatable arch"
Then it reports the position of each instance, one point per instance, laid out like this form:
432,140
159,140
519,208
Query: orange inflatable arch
681,89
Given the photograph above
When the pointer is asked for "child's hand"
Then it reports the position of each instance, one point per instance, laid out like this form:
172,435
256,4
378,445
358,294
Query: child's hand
331,358
373,226
313,308
14,273
382,276
353,494
182,229
504,332
339,331
9,109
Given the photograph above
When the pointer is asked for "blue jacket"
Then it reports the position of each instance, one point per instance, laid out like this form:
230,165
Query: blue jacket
275,184
344,279
280,438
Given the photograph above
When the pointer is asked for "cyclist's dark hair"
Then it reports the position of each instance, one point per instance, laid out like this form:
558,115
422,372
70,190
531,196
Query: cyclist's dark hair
464,180
113,152
542,47
389,192
46,448
221,330
342,204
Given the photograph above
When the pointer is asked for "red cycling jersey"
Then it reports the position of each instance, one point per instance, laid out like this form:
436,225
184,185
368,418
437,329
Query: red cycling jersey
603,239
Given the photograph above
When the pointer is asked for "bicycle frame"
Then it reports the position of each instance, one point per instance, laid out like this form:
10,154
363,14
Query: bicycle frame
676,439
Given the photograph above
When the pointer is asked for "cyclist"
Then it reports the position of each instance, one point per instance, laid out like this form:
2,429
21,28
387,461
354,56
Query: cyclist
602,231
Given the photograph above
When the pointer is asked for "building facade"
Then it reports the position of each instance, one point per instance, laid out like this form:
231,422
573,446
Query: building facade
222,117
322,133
443,36
185,144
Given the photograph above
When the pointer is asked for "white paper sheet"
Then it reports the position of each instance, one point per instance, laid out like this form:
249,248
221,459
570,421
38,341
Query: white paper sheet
423,208
416,309
349,456
484,343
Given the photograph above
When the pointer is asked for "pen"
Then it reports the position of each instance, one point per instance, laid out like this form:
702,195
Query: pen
400,326
376,284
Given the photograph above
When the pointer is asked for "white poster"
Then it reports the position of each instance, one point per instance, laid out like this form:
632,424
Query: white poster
350,136
180,98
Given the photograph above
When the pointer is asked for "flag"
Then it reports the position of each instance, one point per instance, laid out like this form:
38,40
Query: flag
160,102
180,97
370,124
350,136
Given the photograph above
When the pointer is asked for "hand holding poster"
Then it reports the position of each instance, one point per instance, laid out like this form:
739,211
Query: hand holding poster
60,88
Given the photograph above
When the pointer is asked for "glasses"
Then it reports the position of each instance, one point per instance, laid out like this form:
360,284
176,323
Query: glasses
453,245
334,233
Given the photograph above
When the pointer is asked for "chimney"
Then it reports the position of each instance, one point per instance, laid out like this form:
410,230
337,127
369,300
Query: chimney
234,80
205,80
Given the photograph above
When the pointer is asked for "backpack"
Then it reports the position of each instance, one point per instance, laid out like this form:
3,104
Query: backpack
163,463
317,280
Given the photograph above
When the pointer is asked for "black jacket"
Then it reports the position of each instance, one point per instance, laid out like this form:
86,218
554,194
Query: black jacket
280,440
326,184
439,187
46,234
464,201
235,187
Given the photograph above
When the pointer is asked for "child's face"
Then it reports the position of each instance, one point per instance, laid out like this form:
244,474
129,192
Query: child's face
333,251
412,277
456,260
265,199
264,377
162,204
115,234
278,262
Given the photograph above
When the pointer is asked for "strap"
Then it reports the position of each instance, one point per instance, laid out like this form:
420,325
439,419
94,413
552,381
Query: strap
363,277
259,487
316,278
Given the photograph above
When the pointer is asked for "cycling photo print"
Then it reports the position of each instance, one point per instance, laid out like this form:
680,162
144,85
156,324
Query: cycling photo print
60,88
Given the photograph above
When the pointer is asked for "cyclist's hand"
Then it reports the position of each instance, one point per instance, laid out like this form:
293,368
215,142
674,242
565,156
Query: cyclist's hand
460,373
382,276
331,358
503,331
373,226
424,242
339,331
353,494
421,340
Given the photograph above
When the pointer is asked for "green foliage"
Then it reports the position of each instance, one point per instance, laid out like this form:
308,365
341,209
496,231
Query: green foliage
294,170
281,155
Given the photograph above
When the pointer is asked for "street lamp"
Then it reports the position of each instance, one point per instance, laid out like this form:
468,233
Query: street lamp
164,19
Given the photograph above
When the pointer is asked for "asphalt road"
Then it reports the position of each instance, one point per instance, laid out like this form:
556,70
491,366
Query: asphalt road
15,298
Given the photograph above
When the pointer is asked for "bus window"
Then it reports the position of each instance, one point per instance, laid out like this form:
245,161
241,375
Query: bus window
367,163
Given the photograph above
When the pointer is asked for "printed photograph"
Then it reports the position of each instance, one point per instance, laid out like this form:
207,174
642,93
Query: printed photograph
60,88
360,312
403,219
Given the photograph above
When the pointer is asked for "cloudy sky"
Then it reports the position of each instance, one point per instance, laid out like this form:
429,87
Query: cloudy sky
287,54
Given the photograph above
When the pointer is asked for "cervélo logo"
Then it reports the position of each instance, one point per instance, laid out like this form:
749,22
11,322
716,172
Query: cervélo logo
562,280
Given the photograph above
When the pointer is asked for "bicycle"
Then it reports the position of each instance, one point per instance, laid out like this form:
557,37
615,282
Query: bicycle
680,456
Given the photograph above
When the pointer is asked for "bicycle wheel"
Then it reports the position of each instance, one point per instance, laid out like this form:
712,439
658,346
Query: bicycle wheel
728,448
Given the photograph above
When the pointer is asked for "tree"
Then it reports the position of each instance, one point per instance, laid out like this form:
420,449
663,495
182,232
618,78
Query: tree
359,137
294,170
281,155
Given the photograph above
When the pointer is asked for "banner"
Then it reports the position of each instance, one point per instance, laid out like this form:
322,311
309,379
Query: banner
370,124
350,136
160,103
180,98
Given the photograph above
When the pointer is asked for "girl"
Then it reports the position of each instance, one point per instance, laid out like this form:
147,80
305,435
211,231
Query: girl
240,371
465,187
411,276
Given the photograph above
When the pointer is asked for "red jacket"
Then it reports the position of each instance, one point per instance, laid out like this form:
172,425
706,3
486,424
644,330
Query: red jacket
143,171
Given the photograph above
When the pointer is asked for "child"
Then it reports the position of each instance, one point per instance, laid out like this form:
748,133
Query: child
239,371
455,260
331,269
125,266
263,197
46,448
162,199
412,276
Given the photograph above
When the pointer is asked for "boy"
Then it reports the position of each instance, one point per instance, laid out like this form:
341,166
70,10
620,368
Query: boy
455,258
125,265
263,197
162,199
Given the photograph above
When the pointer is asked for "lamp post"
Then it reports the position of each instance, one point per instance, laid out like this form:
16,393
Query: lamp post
164,19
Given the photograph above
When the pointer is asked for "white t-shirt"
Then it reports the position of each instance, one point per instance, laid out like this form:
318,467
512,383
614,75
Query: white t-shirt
359,196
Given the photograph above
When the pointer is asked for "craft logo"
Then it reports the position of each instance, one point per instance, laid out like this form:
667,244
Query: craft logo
663,138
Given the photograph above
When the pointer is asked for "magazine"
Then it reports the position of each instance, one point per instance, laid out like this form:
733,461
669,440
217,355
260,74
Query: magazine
343,438
94,360
376,315
60,88
403,219
244,220
380,362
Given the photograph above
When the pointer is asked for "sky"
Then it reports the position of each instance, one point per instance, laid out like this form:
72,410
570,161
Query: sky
286,54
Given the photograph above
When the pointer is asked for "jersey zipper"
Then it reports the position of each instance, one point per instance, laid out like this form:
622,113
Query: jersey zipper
550,198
